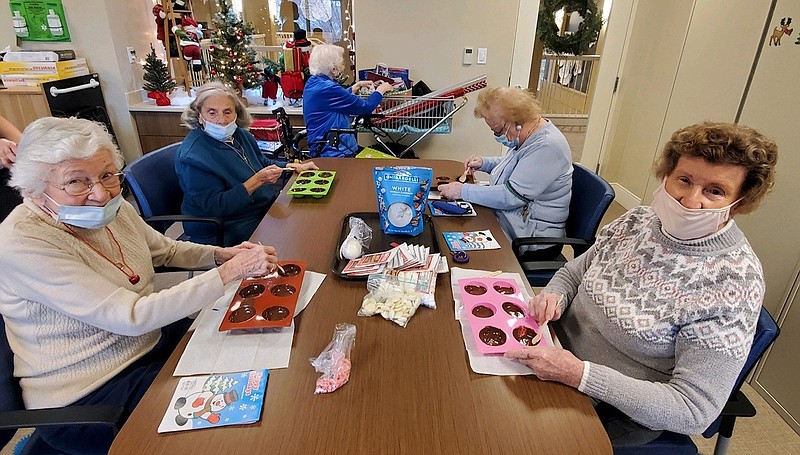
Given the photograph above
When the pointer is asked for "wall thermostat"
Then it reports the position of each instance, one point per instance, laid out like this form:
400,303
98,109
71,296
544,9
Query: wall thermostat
467,58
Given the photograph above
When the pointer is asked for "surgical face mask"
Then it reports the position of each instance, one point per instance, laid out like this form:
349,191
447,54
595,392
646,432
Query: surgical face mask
687,224
87,216
219,132
508,143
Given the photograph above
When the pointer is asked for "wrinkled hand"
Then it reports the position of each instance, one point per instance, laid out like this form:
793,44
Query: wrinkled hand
359,85
8,153
222,255
451,190
249,260
300,167
270,174
550,364
473,163
384,87
545,307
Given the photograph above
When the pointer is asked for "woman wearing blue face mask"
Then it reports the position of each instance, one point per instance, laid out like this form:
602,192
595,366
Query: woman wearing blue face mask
531,185
657,318
76,291
220,169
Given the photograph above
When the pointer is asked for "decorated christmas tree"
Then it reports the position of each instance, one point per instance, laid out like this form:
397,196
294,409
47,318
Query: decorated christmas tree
231,61
157,80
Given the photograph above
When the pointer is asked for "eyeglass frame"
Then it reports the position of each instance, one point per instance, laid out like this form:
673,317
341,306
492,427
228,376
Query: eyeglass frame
91,183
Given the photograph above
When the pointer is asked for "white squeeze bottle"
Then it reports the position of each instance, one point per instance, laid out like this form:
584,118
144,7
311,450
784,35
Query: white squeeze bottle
20,26
54,22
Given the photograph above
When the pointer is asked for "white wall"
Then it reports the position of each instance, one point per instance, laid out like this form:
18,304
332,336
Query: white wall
100,31
428,36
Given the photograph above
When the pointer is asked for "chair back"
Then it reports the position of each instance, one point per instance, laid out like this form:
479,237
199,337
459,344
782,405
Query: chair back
766,333
154,184
591,197
10,391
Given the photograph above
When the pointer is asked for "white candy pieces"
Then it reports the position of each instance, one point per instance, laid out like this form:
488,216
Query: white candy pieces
392,303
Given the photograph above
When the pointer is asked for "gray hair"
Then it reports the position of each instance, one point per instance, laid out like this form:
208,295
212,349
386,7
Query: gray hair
325,58
49,141
191,115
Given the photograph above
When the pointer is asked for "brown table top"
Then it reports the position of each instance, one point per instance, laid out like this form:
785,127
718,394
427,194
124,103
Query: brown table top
411,389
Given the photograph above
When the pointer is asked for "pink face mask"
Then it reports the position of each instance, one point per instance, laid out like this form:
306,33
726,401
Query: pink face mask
687,224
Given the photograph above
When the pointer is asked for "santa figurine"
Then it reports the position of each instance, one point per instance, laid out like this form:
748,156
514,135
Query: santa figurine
302,46
161,16
190,33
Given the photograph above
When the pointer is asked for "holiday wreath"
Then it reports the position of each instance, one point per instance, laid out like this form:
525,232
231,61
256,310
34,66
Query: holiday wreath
575,43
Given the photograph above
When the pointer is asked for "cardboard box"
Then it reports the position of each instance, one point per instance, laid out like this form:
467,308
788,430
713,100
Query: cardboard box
36,79
68,68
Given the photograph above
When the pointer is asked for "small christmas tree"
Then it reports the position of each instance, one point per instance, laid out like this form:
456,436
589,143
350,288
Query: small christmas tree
157,80
232,62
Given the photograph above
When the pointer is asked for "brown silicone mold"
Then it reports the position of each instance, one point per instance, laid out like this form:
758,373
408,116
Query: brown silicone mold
268,301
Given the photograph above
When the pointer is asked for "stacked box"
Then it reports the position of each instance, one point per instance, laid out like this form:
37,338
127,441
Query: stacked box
34,73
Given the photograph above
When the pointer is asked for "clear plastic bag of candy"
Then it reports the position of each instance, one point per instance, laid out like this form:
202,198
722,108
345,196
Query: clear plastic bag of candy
334,361
392,300
357,240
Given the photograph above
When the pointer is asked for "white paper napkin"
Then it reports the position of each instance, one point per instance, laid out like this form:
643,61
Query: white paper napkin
482,363
211,351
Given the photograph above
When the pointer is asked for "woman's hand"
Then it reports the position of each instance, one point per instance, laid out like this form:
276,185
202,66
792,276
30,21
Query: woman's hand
248,260
550,364
359,85
300,167
451,190
8,153
473,163
269,174
545,307
384,87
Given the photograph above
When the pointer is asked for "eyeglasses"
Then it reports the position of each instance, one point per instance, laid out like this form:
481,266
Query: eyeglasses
501,132
80,187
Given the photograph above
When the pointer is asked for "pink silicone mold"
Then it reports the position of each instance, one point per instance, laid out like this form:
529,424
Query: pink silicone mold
498,315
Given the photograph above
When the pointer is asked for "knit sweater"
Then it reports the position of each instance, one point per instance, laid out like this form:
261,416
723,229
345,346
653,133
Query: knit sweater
538,177
74,320
664,326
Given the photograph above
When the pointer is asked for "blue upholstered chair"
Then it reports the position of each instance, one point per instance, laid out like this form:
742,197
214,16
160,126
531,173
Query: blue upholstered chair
154,184
13,414
591,197
737,406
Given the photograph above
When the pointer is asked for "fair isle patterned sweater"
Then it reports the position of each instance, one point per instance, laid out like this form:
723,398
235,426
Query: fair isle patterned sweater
663,326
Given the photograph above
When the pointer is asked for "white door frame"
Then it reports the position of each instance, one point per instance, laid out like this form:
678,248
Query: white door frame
525,36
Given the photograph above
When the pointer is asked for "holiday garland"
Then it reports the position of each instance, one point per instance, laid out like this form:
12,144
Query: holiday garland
575,43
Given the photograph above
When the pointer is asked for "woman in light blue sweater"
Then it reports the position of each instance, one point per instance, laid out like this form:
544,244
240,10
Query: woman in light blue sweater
531,185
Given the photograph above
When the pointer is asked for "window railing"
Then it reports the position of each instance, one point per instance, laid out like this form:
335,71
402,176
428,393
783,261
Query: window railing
565,85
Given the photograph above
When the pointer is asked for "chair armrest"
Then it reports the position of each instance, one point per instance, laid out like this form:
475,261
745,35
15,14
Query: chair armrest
194,219
533,266
738,406
525,241
71,415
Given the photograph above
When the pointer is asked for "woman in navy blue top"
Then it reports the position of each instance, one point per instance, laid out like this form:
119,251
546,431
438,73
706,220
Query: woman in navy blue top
221,171
327,105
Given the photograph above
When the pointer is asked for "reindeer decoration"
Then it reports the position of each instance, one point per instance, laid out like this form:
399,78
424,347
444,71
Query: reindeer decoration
778,32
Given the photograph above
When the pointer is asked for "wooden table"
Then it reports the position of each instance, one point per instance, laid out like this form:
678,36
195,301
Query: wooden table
411,389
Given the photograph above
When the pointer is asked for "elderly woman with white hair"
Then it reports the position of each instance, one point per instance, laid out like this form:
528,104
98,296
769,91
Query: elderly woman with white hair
328,105
76,293
221,171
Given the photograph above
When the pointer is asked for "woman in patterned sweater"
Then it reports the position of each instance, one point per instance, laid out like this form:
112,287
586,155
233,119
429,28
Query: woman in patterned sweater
657,318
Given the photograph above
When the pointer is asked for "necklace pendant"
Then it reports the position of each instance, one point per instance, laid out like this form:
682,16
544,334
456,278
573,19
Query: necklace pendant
134,279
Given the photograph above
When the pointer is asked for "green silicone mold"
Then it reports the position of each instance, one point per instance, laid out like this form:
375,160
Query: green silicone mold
314,184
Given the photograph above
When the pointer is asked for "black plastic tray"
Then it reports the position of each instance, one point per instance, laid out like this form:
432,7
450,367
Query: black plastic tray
381,241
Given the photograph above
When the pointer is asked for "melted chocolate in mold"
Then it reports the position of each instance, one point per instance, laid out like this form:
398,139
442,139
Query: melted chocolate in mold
317,190
526,336
302,181
253,290
282,290
276,313
475,289
307,174
482,311
503,289
298,189
244,313
325,175
321,182
513,310
492,336
289,270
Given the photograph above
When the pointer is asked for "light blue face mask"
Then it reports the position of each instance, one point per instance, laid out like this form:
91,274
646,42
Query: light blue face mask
508,143
219,132
87,216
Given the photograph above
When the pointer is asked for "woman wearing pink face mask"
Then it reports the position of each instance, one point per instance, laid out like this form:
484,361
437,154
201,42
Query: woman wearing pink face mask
657,318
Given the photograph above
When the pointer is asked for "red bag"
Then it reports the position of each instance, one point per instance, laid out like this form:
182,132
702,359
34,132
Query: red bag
292,84
266,130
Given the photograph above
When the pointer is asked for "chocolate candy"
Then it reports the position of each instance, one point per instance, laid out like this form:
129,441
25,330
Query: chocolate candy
492,336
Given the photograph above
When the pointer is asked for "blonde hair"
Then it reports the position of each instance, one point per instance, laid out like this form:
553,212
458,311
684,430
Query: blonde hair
49,141
191,115
325,58
510,104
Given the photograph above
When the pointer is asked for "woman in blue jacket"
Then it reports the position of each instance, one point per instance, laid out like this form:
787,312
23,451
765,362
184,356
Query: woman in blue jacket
220,169
327,105
531,185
